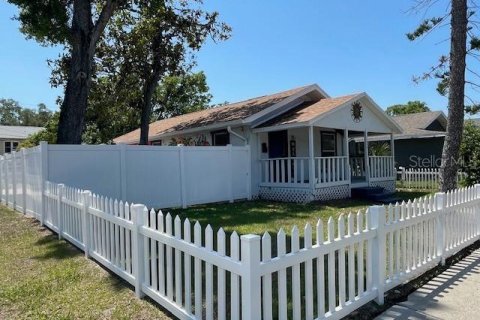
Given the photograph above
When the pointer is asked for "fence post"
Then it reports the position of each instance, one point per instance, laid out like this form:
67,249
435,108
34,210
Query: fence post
249,172
24,180
61,188
230,173
251,279
43,178
2,178
183,177
440,220
87,200
139,212
477,209
377,218
123,171
6,179
14,180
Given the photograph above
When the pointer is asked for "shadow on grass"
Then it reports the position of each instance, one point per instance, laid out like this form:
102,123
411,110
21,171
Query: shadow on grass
56,249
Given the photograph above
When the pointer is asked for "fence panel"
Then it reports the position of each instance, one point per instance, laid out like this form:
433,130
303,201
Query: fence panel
422,178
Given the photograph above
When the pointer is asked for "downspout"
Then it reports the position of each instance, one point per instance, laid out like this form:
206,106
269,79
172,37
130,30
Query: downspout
229,129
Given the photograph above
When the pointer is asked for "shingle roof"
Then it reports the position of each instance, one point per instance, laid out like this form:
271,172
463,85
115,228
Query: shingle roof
230,112
17,132
412,123
309,110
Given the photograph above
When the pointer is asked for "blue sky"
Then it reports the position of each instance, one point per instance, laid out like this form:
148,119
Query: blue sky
344,46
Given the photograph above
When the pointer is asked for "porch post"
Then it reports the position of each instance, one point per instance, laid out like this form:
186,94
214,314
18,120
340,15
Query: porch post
367,165
392,153
311,171
346,153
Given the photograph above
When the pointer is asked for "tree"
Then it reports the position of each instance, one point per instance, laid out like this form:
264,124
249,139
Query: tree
77,25
178,95
470,153
49,134
451,72
13,114
411,107
157,40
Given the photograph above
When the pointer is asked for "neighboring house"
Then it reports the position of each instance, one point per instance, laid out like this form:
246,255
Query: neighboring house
421,143
298,139
11,136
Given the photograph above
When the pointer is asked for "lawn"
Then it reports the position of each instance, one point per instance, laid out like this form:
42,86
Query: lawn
44,278
260,216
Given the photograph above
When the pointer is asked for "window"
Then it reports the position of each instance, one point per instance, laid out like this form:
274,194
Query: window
329,143
156,143
10,146
220,138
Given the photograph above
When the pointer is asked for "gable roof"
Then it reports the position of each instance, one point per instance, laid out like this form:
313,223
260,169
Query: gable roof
417,122
235,112
17,132
309,110
415,125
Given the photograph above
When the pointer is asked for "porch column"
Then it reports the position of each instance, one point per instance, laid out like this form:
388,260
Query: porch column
311,156
367,165
346,153
392,153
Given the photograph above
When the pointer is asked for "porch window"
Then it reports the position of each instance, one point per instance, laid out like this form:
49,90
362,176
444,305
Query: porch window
278,144
329,143
220,138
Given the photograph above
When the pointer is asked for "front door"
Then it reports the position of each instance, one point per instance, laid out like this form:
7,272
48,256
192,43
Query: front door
278,148
278,144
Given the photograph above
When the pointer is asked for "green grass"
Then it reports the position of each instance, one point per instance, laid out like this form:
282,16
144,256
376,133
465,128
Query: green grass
260,216
44,278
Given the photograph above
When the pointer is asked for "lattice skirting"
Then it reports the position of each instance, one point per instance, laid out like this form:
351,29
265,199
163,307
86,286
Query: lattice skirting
304,195
387,185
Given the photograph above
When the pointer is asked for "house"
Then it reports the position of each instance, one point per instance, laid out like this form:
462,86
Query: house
301,141
11,136
421,143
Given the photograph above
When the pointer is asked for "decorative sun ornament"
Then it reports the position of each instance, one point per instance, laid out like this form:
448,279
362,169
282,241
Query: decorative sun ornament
357,111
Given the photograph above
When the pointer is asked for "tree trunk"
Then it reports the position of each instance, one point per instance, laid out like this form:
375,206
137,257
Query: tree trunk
84,37
74,104
453,138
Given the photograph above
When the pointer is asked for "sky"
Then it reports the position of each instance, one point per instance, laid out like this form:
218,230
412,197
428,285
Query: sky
343,46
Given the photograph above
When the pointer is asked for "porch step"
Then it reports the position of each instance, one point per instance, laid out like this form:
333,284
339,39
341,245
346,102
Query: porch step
376,194
365,192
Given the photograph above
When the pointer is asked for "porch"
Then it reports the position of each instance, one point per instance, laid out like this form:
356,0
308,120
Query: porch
318,163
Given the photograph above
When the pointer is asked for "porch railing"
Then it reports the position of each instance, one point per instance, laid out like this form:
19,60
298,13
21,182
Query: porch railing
381,168
357,167
286,172
331,170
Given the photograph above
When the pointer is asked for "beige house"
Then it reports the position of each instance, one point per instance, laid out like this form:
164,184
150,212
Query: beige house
11,136
303,142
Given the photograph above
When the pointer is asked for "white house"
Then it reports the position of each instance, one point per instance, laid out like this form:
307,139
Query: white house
11,136
304,144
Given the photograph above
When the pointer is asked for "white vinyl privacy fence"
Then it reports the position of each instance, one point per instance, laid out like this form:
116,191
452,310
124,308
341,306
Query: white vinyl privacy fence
160,177
322,271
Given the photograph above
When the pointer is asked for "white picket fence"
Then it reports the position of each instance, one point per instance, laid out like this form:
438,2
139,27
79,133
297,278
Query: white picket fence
197,273
422,178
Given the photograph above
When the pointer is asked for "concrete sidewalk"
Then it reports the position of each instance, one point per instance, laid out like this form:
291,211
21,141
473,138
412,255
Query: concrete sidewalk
454,294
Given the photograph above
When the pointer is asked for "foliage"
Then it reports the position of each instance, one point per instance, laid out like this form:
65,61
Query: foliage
470,153
182,94
379,149
49,134
13,114
411,107
142,48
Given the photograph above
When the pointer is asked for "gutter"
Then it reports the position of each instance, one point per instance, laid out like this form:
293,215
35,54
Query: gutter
229,129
